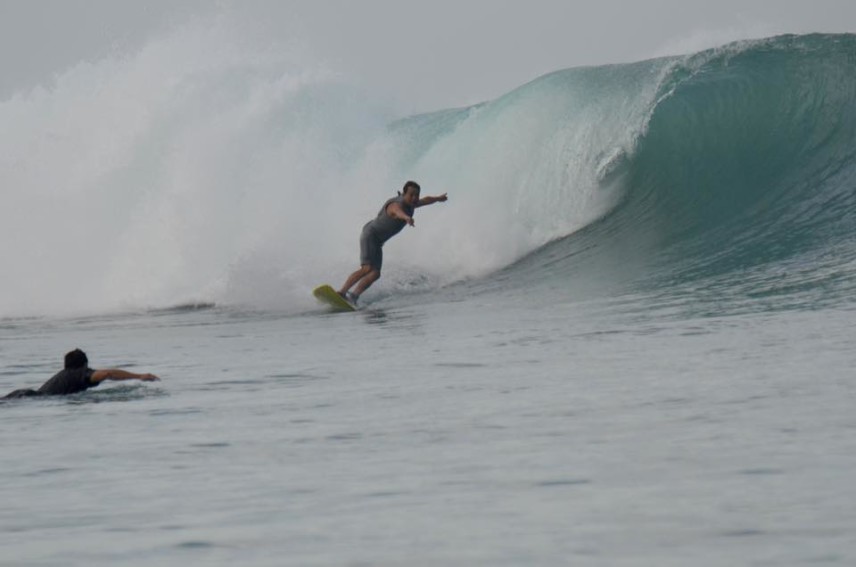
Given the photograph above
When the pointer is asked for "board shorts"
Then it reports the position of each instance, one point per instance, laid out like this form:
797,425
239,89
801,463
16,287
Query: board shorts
371,249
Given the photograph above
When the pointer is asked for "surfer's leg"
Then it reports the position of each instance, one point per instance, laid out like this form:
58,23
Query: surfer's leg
354,278
366,282
23,393
371,259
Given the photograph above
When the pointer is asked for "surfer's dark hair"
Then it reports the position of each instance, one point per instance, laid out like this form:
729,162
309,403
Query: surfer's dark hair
410,184
76,359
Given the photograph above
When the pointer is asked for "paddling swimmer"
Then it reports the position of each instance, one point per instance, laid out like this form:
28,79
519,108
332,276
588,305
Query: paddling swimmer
393,216
76,376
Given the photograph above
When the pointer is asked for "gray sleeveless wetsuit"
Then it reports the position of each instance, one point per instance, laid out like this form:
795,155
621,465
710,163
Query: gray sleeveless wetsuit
379,230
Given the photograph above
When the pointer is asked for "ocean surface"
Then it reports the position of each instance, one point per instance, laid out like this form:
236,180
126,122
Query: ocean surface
626,339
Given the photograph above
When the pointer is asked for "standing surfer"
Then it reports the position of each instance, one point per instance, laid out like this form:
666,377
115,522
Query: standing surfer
393,216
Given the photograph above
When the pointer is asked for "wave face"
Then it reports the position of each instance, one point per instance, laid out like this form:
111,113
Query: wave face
741,184
749,160
202,170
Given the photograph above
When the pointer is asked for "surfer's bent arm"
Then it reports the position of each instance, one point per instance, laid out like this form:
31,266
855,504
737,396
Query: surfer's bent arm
395,211
431,200
117,374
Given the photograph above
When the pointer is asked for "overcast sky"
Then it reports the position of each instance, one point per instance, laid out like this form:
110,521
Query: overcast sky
436,54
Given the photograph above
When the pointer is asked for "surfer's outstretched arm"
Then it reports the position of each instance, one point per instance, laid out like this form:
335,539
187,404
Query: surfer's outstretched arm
117,374
397,212
431,200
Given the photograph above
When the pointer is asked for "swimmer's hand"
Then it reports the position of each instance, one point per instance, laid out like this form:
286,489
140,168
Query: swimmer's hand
149,378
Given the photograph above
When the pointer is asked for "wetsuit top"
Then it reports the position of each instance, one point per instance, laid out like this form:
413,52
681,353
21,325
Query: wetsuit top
384,227
69,381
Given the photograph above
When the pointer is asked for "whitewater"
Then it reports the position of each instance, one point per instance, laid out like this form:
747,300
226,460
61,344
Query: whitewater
626,339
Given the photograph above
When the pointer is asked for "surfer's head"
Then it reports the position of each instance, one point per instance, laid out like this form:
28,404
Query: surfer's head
76,359
411,192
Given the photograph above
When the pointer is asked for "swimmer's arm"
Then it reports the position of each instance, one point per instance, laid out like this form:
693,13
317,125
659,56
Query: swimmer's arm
99,376
431,200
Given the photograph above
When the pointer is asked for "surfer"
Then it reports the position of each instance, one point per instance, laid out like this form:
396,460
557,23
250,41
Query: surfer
76,376
393,216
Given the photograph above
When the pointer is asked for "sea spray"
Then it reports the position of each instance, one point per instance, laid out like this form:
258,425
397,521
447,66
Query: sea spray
149,178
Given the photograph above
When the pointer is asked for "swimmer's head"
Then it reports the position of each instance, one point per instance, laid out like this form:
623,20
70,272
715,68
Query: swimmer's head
76,359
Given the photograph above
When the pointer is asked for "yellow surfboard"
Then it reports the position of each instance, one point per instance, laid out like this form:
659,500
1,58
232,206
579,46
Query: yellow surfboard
329,296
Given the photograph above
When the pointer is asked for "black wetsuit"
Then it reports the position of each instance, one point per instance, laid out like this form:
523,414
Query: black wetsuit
67,381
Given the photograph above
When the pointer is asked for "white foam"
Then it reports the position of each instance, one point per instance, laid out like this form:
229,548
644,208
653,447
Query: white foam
203,168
